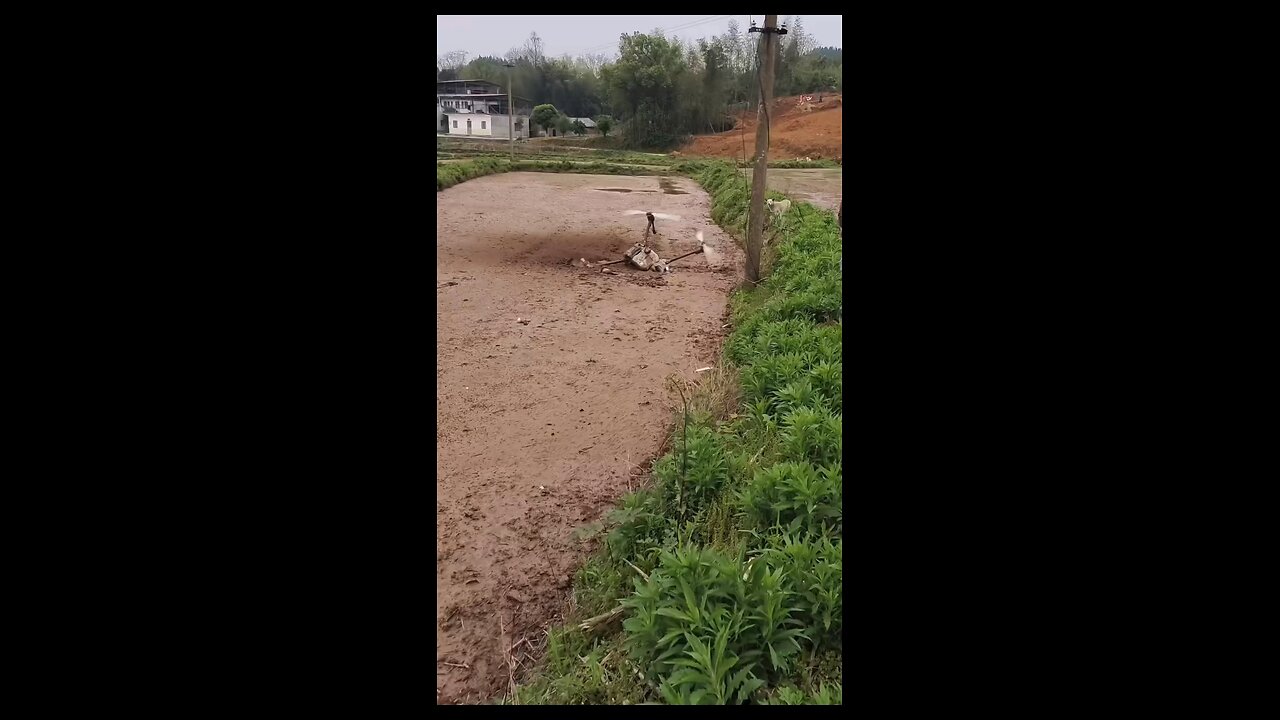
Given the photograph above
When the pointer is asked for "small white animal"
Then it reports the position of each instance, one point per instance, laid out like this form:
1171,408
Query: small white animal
778,206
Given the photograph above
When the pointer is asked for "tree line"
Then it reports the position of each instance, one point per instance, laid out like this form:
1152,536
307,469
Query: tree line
658,90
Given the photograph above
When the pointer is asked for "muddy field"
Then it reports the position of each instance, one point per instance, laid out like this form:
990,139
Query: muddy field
549,391
820,186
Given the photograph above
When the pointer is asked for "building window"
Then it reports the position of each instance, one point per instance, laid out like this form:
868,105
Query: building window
482,127
455,123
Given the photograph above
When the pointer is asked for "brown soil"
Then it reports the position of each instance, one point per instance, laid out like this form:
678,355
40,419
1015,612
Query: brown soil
543,423
794,132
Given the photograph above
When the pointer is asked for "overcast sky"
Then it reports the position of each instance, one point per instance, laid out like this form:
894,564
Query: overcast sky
581,34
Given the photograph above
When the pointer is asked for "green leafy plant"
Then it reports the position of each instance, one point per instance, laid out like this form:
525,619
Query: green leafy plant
712,673
772,613
642,529
791,695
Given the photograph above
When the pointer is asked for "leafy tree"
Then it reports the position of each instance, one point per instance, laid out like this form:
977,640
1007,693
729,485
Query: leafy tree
604,124
579,128
644,84
545,115
563,124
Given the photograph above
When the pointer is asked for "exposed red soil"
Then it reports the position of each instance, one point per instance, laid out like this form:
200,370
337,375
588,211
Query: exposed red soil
795,132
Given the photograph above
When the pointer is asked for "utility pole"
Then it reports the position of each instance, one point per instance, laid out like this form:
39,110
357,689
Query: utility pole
755,216
511,110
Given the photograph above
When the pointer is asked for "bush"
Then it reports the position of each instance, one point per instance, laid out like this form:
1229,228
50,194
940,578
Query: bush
449,175
795,496
545,115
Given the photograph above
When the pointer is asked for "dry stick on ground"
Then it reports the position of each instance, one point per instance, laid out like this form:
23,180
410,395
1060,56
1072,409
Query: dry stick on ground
597,624
506,656
702,246
695,252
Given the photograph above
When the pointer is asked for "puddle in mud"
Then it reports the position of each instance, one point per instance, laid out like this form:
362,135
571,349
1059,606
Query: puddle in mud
626,190
669,187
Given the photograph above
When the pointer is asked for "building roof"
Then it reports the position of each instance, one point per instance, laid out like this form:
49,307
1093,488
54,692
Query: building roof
518,101
464,111
479,95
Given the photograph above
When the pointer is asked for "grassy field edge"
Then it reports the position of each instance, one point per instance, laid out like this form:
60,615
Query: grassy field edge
721,582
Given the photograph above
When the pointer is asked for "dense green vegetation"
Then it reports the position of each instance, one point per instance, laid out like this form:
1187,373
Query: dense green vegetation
658,90
797,164
542,150
727,572
448,175
448,148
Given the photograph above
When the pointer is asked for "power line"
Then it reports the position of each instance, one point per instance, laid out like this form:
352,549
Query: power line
686,26
674,28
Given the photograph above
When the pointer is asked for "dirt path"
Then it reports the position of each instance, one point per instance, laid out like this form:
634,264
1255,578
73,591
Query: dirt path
819,186
532,416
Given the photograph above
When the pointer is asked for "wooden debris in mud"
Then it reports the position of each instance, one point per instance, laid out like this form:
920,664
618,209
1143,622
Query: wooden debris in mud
506,655
642,573
599,623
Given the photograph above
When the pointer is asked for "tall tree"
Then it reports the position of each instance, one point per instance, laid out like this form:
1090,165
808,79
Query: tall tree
450,64
643,82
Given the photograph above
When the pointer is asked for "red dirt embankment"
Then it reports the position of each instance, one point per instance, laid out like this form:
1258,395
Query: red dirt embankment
797,129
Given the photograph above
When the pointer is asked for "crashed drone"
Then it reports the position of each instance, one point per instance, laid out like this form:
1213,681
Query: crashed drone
643,257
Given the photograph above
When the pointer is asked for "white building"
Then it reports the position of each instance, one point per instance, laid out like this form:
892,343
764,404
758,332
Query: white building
467,123
478,108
